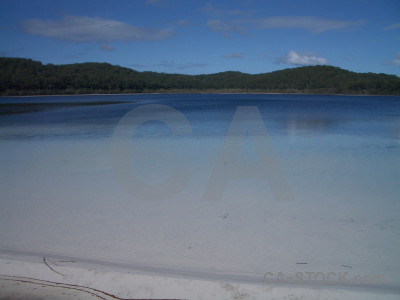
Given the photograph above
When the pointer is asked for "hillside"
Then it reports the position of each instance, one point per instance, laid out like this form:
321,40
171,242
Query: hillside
26,77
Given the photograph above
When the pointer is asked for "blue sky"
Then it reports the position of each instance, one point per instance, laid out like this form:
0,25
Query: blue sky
200,37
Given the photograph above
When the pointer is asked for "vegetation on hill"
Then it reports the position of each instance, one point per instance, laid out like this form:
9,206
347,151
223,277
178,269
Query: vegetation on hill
27,77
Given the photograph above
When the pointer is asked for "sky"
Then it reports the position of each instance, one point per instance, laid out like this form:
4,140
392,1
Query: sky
202,37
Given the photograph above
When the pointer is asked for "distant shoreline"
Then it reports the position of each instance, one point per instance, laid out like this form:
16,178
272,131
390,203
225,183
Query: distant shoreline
193,93
23,77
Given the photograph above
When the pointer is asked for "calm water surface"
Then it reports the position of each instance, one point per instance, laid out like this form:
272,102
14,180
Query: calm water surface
59,193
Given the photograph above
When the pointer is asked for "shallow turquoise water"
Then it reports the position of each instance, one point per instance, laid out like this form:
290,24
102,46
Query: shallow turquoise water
339,156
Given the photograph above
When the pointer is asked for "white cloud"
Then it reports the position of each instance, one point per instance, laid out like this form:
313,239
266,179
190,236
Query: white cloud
396,61
107,47
89,29
294,58
312,24
224,27
233,55
393,26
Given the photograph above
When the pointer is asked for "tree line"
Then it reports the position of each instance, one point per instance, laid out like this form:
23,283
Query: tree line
20,76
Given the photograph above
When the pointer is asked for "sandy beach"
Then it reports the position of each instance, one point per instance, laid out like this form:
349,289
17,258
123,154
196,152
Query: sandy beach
30,277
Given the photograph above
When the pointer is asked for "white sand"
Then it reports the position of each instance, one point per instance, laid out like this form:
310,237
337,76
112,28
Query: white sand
31,278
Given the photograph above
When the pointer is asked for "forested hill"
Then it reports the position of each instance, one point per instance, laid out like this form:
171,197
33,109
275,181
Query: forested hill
26,77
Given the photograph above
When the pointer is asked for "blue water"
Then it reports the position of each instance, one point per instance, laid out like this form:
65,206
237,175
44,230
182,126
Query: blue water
339,155
310,114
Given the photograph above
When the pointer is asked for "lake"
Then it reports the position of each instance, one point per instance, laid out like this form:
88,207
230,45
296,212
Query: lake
215,186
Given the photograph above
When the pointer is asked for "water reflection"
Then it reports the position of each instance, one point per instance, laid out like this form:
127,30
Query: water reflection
19,108
297,125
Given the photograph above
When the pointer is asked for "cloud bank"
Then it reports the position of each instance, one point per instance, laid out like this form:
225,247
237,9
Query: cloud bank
312,24
89,29
393,26
294,58
224,27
